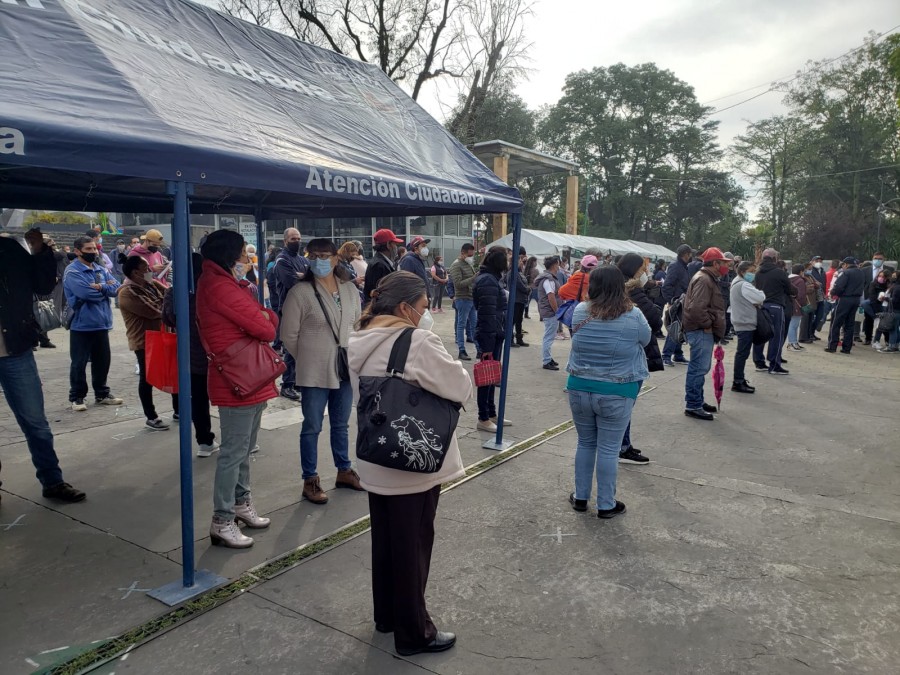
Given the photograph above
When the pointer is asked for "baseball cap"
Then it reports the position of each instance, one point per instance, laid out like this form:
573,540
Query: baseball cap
589,262
712,253
728,255
815,257
418,240
849,260
770,253
152,236
386,236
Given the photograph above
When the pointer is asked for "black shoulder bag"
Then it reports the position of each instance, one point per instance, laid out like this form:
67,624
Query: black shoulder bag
341,363
400,425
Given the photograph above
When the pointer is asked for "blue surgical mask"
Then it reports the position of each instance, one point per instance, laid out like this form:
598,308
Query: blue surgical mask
321,268
749,276
877,262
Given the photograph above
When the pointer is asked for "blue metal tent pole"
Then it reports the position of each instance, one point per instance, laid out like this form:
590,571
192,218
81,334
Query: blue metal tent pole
498,443
191,584
261,272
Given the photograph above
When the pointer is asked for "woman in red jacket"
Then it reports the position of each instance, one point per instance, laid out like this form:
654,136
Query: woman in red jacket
227,312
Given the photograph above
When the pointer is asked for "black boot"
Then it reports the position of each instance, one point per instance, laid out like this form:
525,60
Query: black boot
520,342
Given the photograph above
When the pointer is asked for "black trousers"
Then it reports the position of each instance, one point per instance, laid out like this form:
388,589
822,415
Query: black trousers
844,315
145,390
744,347
87,346
199,409
402,539
518,315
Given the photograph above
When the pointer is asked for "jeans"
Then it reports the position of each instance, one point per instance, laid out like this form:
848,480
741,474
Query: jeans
671,347
24,394
87,346
487,409
240,425
774,350
465,322
701,344
744,345
793,328
550,326
313,401
600,421
437,296
844,317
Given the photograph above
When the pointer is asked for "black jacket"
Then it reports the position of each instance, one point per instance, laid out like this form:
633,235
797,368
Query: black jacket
287,266
490,304
523,292
850,284
22,276
773,281
648,308
379,267
676,282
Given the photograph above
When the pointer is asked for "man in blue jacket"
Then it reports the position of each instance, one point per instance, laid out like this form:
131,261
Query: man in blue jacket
89,287
676,283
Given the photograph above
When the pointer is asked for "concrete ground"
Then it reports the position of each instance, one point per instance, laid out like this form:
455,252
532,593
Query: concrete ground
764,542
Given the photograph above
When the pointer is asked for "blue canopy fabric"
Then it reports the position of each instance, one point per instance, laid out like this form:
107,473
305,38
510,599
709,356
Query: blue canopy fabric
105,100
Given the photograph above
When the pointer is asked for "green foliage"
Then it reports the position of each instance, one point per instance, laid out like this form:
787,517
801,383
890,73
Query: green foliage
56,217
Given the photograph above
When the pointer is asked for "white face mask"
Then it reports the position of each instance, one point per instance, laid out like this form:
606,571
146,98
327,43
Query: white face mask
423,252
148,277
818,266
644,279
470,260
426,321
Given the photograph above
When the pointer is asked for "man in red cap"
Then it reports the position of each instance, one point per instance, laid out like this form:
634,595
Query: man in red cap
383,263
704,325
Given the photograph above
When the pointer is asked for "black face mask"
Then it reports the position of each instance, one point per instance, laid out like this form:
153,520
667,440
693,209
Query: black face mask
153,249
89,258
293,246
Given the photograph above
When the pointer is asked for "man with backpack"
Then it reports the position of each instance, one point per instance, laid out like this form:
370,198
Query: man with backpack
674,287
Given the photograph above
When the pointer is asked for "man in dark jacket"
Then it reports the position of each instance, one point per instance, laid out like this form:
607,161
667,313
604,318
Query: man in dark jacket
673,287
818,274
21,277
523,293
382,263
290,267
773,281
704,325
848,289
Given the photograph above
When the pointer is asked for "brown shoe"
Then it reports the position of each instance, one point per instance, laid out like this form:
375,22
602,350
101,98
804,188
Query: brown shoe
348,478
313,491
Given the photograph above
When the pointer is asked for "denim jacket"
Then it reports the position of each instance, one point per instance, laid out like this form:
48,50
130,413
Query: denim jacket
609,351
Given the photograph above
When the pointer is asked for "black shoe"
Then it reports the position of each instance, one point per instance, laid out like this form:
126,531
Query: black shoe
384,628
48,345
668,363
521,343
778,370
830,350
700,414
845,351
783,360
470,341
618,509
680,359
710,408
441,643
290,393
761,367
742,388
551,366
632,456
64,492
577,504
867,343
464,357
553,361
513,344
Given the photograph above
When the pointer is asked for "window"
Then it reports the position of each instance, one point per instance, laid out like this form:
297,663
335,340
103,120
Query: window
465,226
451,226
314,228
352,228
432,226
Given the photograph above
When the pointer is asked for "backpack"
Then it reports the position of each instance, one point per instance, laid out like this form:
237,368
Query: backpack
673,320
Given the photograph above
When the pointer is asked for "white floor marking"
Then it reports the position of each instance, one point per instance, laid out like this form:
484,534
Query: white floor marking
133,589
558,536
15,523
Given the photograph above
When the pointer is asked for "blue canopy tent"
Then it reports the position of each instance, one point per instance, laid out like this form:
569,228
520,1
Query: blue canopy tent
123,105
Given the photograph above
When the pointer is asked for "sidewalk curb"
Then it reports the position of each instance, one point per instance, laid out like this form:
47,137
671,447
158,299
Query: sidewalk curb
118,646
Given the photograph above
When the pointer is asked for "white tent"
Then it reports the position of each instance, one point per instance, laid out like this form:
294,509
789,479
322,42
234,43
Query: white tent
541,243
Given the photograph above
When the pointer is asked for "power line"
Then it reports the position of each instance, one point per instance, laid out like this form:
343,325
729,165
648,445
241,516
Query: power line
795,77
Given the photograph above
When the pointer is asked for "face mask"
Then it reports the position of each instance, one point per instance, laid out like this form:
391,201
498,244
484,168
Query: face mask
153,249
121,248
877,262
89,258
320,268
818,266
723,270
148,277
426,322
293,246
239,270
749,276
470,260
644,279
423,252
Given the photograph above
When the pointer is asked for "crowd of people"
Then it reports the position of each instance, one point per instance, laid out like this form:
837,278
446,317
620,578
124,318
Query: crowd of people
332,318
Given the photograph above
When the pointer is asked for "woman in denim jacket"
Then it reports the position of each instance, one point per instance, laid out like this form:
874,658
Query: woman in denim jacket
606,367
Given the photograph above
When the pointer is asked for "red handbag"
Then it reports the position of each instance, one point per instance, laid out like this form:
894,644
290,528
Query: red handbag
487,371
247,364
161,360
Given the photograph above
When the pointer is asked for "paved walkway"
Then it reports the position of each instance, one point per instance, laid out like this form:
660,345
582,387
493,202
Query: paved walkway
765,542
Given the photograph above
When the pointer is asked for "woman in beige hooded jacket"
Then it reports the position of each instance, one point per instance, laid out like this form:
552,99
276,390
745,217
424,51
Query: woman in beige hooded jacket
403,504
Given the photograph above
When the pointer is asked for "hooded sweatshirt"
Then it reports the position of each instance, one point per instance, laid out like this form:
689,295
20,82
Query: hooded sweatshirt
155,258
429,366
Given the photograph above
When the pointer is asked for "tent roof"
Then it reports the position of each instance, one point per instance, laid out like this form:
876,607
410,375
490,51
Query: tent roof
105,100
538,242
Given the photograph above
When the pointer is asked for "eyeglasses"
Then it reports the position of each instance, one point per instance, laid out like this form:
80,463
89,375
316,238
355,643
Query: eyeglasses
319,256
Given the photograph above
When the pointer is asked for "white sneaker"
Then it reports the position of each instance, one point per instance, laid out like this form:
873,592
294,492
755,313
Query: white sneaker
79,405
109,400
254,449
228,534
486,425
137,369
204,450
246,513
157,424
506,422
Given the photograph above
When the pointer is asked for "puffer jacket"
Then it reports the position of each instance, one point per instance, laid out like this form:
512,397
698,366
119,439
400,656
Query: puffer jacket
569,290
704,307
648,308
490,304
226,312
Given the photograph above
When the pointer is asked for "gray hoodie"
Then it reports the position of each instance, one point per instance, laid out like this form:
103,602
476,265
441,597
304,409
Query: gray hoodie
745,297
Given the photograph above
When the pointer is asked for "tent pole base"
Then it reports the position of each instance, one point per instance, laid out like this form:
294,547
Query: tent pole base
494,445
176,592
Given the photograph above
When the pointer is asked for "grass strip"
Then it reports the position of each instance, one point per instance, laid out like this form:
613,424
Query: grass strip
114,648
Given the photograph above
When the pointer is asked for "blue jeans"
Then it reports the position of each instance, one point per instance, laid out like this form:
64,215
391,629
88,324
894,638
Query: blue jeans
600,421
550,329
313,401
793,328
671,347
25,396
240,426
465,322
701,344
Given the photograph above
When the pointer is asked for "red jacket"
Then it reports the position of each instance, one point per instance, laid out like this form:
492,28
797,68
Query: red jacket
569,290
226,311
